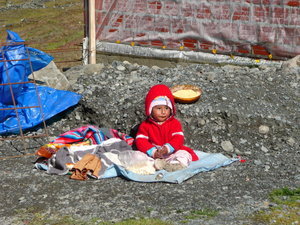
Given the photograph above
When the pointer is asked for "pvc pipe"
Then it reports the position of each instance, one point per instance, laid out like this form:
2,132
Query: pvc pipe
92,32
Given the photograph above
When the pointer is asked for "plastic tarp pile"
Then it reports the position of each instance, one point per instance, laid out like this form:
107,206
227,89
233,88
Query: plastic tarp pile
252,27
30,104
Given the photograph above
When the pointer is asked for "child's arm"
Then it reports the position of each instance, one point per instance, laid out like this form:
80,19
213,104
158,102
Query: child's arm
142,141
177,139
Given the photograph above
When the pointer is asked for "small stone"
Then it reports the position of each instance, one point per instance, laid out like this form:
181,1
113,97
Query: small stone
155,67
77,116
291,141
22,199
237,151
267,168
214,139
121,68
201,122
293,84
257,162
227,146
243,141
126,63
264,149
263,129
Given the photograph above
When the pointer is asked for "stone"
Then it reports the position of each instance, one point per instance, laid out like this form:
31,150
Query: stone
92,68
227,146
214,139
121,68
257,162
243,141
264,149
294,62
77,116
263,129
291,141
51,76
155,67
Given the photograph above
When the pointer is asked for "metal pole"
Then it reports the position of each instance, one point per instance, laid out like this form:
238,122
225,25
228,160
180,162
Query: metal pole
92,32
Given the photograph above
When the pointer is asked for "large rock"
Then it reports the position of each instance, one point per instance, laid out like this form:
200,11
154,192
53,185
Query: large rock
52,77
75,72
292,63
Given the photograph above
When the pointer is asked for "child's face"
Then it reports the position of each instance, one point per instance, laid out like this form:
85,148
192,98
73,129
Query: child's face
161,113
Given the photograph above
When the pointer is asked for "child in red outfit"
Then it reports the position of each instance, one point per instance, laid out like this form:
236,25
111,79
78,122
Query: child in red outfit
160,136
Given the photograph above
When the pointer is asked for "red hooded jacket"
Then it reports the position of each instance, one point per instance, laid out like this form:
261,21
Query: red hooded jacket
151,134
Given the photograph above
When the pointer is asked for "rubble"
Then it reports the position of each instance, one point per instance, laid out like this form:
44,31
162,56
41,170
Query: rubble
228,119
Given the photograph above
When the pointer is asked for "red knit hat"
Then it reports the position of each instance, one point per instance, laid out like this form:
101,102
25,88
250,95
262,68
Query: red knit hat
159,95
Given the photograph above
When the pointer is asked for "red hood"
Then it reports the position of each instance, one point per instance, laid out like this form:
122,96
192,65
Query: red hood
158,90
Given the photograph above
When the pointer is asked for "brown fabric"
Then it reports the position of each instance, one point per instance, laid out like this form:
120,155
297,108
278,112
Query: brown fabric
89,163
79,175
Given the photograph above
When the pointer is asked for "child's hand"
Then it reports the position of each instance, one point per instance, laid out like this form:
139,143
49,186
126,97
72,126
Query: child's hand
164,150
160,153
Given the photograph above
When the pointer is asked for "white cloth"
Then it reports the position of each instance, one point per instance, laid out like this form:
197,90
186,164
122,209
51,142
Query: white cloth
181,156
137,162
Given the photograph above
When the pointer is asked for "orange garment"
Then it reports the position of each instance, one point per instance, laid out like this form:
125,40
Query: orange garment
89,163
48,150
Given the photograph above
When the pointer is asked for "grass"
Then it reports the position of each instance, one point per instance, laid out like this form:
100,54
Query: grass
205,214
142,222
286,211
60,25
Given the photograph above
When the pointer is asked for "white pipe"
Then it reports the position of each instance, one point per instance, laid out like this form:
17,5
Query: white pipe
92,32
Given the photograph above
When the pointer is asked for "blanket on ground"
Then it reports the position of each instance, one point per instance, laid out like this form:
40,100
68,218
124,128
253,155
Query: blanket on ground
113,160
64,159
92,133
206,162
85,135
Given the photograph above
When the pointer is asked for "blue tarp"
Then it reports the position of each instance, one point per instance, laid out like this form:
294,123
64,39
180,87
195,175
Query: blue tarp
17,62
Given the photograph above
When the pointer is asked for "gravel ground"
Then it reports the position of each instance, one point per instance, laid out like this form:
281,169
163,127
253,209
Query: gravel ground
250,112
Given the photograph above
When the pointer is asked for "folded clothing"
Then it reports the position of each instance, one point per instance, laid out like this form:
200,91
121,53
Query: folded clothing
89,164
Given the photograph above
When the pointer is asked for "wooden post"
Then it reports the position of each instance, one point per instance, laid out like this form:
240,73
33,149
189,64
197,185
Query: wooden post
92,32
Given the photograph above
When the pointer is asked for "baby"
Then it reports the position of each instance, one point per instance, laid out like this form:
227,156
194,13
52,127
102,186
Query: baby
160,136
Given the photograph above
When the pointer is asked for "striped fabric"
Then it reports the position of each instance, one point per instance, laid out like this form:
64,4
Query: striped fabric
92,134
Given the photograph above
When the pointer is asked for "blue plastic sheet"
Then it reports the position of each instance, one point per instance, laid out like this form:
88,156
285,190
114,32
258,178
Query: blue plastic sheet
17,62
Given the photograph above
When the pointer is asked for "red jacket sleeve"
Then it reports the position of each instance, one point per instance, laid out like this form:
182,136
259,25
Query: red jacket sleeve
177,136
142,139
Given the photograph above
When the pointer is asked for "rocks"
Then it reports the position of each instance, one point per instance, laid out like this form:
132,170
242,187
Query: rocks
243,111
